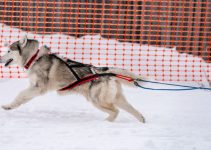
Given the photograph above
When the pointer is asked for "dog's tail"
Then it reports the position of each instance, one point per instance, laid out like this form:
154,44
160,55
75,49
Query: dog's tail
122,72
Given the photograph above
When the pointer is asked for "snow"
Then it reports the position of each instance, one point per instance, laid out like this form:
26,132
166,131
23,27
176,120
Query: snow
175,121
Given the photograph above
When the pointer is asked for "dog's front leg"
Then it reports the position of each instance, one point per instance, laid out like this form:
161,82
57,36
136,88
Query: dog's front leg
23,97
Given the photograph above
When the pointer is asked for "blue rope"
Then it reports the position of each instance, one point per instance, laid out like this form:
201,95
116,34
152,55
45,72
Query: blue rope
184,87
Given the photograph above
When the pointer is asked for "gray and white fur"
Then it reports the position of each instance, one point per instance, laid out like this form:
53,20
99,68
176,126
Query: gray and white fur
48,72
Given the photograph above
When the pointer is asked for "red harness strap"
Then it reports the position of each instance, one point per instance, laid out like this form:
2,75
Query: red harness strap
28,64
93,77
83,80
129,79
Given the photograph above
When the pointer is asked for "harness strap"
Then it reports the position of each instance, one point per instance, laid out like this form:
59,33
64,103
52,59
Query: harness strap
70,67
73,72
93,77
78,64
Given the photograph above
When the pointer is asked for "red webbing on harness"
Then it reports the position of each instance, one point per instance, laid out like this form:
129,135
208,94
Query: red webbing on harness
93,77
28,64
129,79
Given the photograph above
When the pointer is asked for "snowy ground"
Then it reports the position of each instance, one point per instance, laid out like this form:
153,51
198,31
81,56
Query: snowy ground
175,121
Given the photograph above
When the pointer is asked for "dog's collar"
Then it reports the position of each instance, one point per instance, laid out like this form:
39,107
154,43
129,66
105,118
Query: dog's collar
30,61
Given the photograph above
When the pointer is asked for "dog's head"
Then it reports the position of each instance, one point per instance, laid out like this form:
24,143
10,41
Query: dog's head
19,51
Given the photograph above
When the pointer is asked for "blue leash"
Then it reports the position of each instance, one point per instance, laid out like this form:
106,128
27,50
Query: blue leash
183,87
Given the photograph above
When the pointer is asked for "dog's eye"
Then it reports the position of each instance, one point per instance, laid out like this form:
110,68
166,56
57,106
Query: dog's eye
9,51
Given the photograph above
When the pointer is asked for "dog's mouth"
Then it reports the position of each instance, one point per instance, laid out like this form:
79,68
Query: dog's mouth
8,62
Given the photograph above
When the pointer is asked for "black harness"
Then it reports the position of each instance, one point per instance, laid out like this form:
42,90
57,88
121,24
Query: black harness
72,65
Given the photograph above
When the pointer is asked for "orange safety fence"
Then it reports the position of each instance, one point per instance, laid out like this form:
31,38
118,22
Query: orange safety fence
166,40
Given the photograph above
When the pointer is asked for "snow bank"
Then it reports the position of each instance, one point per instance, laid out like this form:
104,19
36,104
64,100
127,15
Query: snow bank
156,62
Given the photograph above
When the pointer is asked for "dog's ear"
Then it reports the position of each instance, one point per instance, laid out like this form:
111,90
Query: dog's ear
19,49
23,42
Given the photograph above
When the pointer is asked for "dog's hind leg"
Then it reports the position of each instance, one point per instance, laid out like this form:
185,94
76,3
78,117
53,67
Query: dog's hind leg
23,97
108,108
122,103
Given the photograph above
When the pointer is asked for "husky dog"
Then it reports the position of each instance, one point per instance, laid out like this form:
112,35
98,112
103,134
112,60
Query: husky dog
49,72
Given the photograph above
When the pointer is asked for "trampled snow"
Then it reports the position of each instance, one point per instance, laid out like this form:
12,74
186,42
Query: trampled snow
175,121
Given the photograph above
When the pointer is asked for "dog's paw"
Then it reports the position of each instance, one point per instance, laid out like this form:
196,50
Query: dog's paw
110,119
7,107
142,119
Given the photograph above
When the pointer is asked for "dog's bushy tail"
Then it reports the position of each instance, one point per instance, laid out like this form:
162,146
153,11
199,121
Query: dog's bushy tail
124,73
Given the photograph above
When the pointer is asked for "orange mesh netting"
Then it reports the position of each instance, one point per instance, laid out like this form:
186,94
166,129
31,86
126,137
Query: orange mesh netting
167,40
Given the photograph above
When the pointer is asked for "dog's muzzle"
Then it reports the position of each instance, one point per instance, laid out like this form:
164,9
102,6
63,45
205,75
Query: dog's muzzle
1,60
7,62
